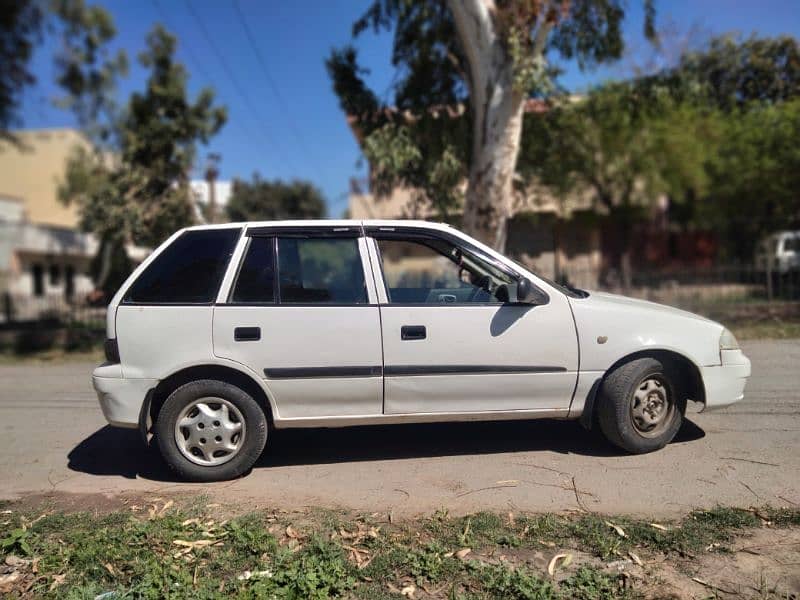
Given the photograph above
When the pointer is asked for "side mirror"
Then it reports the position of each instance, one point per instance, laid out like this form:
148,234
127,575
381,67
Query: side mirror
524,290
528,293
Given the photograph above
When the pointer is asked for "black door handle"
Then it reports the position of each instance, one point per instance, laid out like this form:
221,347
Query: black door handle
247,334
413,332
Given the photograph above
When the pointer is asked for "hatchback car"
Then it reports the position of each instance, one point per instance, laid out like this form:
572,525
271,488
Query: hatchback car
229,331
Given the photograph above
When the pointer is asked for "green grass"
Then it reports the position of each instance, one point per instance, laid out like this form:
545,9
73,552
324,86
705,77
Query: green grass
772,329
192,552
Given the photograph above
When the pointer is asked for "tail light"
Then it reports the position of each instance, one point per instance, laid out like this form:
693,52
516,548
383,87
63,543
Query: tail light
112,351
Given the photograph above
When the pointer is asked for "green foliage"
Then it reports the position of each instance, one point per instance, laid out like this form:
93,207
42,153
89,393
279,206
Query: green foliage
427,563
262,200
422,138
318,573
135,555
590,584
513,583
16,541
86,70
755,175
736,72
20,30
133,185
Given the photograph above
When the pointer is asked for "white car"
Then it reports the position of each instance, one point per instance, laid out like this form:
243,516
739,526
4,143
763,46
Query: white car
228,331
779,253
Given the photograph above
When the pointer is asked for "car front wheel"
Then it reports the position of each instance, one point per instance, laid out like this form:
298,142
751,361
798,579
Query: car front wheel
641,408
210,430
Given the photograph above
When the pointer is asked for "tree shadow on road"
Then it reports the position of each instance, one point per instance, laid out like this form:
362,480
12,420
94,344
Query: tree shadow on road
111,451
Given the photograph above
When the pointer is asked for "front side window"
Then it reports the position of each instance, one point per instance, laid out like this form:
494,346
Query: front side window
434,271
188,271
320,271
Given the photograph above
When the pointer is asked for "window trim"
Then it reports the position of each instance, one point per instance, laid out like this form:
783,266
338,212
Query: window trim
316,232
313,231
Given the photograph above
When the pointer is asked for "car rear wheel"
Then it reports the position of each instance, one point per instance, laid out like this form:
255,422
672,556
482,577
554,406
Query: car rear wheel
641,407
210,430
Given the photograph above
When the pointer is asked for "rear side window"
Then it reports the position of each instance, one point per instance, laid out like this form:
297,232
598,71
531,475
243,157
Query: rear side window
188,271
320,271
256,280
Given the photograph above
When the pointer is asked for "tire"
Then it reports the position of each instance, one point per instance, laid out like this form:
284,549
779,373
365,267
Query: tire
641,407
225,433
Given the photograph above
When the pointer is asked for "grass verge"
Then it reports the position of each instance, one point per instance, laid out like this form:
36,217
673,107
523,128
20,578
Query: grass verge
195,550
772,329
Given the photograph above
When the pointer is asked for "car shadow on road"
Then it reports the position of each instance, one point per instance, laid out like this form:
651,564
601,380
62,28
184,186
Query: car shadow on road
120,452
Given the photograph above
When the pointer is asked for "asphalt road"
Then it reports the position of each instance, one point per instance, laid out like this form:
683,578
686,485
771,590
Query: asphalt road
54,438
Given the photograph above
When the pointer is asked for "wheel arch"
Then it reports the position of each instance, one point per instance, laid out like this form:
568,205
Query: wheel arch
688,372
241,379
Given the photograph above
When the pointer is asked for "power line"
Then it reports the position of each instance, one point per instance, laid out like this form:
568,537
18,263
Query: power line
192,56
273,86
197,63
239,90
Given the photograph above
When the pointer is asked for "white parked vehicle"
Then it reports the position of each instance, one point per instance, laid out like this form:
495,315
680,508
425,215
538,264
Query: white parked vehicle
228,331
779,253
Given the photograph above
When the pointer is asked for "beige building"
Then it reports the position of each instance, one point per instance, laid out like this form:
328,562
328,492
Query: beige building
44,258
550,235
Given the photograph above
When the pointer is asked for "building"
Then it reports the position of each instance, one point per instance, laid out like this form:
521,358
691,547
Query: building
201,189
567,238
556,237
44,258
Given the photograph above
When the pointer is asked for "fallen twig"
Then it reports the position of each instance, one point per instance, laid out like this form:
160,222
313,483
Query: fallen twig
484,489
711,586
578,496
755,462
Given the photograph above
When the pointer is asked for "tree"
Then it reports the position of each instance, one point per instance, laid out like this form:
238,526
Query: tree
493,56
755,176
20,30
262,200
737,72
135,186
626,144
86,70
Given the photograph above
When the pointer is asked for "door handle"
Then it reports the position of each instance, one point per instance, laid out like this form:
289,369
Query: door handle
413,332
247,334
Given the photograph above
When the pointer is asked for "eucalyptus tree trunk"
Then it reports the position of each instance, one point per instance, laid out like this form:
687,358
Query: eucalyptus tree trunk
497,111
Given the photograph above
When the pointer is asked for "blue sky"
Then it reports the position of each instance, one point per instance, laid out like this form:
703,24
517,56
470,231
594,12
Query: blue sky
300,132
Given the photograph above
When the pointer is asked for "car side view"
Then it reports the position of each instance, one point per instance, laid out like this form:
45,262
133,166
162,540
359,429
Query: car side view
226,332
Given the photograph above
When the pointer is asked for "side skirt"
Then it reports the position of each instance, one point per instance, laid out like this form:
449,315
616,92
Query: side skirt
357,420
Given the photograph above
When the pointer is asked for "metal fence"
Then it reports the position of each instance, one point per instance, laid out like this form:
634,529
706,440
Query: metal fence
706,290
19,310
703,288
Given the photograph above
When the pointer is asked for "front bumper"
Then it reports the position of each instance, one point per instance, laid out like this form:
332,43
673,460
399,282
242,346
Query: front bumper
725,383
121,399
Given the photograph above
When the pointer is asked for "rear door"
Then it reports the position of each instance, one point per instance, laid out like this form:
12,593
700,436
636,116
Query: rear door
302,312
454,339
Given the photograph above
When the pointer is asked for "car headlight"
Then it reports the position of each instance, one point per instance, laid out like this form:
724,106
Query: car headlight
727,341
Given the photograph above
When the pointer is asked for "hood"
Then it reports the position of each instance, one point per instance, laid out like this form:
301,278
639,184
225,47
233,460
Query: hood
610,327
615,301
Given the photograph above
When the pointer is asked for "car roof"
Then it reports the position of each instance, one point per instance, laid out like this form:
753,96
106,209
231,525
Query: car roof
327,223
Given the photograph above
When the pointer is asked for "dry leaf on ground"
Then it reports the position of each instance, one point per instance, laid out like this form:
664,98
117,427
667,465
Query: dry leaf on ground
565,560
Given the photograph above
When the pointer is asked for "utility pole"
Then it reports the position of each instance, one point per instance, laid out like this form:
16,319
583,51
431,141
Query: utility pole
212,172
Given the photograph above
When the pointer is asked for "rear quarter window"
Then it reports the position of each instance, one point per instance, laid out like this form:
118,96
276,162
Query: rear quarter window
188,271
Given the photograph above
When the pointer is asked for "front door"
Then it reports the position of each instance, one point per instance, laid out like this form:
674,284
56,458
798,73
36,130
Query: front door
454,340
301,314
